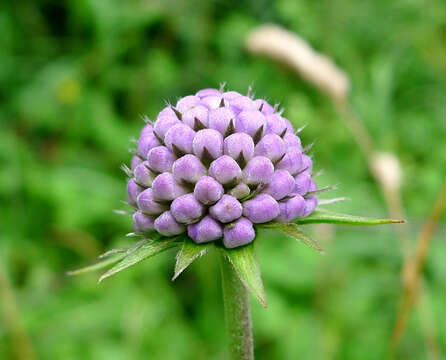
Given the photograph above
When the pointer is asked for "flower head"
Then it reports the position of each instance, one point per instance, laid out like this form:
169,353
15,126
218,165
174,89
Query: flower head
214,165
209,173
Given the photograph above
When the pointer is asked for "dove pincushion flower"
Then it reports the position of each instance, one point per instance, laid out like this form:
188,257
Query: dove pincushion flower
208,174
214,165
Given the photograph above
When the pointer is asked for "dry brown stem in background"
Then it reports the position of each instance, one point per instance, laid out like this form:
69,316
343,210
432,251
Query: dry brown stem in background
21,344
286,47
414,266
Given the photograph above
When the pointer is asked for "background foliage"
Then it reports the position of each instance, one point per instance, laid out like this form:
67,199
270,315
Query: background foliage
75,78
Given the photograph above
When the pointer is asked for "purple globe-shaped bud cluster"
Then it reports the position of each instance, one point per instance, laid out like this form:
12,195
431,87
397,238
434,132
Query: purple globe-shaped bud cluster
214,165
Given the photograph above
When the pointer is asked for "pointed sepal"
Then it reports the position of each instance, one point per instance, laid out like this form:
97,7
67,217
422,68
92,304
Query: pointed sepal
245,263
258,135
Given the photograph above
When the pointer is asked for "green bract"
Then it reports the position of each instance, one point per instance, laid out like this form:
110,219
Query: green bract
243,259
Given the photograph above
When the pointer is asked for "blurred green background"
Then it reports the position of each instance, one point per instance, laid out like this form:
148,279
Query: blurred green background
75,78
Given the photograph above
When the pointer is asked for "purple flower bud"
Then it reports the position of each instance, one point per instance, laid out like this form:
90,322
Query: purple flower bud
225,170
259,170
207,229
313,186
292,161
188,169
179,139
260,209
133,190
208,190
208,92
238,233
186,209
143,176
166,225
303,183
136,160
148,205
239,143
220,118
292,140
231,95
212,102
241,103
251,122
263,107
227,209
281,185
275,124
196,117
291,209
165,188
240,191
271,146
310,205
146,130
146,143
160,159
289,126
208,139
165,120
142,222
307,164
187,102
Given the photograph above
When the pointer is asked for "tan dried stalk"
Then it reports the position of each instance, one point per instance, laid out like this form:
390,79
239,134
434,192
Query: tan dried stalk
21,344
414,266
286,47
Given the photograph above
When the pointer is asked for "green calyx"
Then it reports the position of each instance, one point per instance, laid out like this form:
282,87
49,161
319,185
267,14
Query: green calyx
243,259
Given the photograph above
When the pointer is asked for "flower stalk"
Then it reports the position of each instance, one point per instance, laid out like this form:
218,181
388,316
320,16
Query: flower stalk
237,313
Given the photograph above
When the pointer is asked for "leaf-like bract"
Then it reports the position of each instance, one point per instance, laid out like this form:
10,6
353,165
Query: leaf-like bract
97,266
189,252
293,231
327,217
108,258
245,263
147,249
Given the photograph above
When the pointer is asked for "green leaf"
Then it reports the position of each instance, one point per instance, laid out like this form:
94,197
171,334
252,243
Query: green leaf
111,252
293,231
244,261
188,254
97,266
109,258
147,249
327,217
123,251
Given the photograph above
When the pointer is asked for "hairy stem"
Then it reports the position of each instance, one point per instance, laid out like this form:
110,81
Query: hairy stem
237,313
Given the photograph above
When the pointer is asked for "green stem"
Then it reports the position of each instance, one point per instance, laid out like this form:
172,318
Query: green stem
237,313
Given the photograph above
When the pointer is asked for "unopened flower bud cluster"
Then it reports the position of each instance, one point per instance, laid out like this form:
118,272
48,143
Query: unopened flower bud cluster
215,164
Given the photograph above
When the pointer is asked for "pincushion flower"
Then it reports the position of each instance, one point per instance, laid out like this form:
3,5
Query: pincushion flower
217,161
208,173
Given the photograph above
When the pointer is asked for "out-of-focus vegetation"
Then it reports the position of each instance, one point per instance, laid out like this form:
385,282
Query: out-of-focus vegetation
75,78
